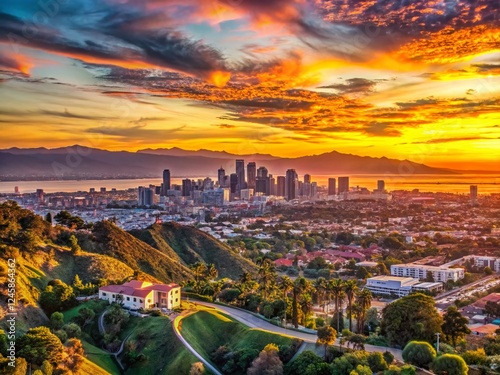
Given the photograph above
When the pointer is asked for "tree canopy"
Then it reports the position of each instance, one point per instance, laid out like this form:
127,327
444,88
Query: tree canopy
413,317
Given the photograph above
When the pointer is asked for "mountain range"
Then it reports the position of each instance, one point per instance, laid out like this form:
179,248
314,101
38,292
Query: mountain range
80,162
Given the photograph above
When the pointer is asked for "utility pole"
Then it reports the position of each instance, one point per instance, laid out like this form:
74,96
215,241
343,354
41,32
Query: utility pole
437,343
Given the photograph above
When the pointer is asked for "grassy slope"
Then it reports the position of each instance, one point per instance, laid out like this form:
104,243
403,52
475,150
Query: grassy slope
193,245
100,358
90,367
113,241
155,338
207,330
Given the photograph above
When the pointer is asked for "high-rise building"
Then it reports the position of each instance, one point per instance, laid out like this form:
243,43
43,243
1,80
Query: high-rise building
332,186
251,175
473,194
166,182
307,179
186,187
221,174
262,172
380,186
343,185
233,183
272,185
291,184
145,196
280,186
240,172
39,195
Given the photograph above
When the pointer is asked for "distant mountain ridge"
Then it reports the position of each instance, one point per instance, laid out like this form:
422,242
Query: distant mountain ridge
80,162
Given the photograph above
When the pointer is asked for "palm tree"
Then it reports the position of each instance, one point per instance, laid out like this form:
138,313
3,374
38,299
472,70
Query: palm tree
337,290
320,285
364,300
266,275
212,272
286,285
350,290
199,269
300,286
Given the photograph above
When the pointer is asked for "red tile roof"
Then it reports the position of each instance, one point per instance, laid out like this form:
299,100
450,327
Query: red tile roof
138,288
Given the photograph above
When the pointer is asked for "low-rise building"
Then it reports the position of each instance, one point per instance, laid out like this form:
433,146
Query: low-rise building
137,294
419,271
399,286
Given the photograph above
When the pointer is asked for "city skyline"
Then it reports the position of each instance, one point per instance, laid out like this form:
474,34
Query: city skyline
417,81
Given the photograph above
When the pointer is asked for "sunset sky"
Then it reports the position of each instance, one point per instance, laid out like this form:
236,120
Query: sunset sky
416,80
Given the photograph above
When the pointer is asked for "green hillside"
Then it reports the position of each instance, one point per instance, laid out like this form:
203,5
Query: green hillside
192,245
164,353
110,240
207,331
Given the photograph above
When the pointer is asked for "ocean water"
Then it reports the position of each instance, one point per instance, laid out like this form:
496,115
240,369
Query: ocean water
487,183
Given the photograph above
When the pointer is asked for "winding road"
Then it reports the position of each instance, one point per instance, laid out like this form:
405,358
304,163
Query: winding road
253,321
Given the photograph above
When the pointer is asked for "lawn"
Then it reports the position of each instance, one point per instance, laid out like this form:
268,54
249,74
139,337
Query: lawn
208,330
165,354
100,358
91,368
96,305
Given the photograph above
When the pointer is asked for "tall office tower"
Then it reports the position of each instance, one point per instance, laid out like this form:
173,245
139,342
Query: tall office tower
272,185
149,195
269,186
343,185
314,189
307,179
166,182
291,184
221,174
39,195
145,196
140,195
381,186
233,183
473,194
187,185
332,186
260,184
262,172
251,174
280,186
240,172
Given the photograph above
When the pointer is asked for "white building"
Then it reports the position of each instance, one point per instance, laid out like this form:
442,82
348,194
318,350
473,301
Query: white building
142,294
419,271
485,261
399,286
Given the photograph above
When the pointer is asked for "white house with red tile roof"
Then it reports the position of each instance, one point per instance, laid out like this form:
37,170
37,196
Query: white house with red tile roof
137,294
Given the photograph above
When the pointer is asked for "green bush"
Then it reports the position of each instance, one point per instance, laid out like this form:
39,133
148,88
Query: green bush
450,364
419,353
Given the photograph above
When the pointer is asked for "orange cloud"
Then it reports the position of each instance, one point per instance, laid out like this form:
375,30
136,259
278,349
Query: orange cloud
451,45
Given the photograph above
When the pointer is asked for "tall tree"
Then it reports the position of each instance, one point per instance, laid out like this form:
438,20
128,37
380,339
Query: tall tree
212,272
300,285
320,285
350,288
38,345
286,285
454,325
413,317
268,362
266,275
337,290
326,336
364,300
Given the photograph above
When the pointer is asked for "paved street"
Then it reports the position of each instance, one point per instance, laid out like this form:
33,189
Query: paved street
252,321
